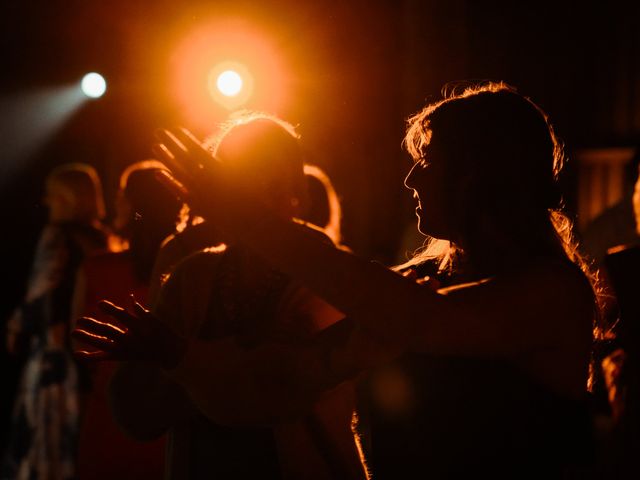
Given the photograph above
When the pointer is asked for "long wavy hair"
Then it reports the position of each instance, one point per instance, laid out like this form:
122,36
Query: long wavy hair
504,146
82,183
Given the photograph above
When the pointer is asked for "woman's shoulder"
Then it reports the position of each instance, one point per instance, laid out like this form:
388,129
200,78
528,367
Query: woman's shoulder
563,274
538,274
549,291
563,296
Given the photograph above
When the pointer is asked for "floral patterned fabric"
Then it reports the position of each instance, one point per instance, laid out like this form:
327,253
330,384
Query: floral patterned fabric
45,418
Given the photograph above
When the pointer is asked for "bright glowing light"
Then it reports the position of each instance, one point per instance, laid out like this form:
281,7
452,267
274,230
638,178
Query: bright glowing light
93,85
229,83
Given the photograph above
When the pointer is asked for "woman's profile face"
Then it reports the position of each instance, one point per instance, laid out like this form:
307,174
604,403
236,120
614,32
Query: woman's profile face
430,188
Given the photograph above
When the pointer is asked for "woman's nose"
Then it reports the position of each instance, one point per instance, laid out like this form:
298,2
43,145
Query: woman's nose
408,180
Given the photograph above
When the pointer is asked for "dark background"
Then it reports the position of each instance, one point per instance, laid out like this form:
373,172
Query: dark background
355,71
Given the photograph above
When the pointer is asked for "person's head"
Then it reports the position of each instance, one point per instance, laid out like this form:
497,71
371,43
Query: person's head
146,213
486,166
73,193
262,154
142,200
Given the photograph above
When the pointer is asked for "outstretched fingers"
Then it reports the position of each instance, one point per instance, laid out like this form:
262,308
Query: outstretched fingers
102,335
163,154
179,152
174,186
192,145
185,149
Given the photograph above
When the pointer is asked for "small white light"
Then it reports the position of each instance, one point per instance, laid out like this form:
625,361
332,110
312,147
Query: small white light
229,83
93,85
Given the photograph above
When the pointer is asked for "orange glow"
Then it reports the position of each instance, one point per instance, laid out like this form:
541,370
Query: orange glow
215,47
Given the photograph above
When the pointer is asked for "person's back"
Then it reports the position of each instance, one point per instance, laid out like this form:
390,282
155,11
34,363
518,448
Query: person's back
225,294
320,444
177,246
322,209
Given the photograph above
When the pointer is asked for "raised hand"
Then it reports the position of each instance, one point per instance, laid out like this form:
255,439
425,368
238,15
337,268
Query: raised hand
194,171
196,176
202,181
137,336
182,151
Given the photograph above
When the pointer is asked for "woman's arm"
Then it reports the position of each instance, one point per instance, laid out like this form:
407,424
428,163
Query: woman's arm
537,307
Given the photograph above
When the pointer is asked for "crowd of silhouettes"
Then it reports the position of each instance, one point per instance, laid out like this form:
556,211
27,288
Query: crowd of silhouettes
221,328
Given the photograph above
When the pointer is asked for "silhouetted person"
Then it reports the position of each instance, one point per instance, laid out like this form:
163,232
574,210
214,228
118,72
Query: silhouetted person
322,209
146,213
44,433
229,297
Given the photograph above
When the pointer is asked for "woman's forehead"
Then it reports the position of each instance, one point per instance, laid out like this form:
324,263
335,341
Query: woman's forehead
434,147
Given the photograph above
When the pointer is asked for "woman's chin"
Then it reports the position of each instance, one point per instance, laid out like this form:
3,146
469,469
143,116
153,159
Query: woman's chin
421,227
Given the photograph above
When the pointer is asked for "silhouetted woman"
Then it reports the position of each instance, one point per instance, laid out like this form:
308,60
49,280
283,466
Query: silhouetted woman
45,418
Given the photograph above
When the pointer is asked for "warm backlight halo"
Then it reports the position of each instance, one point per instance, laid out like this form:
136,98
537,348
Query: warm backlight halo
229,83
227,43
